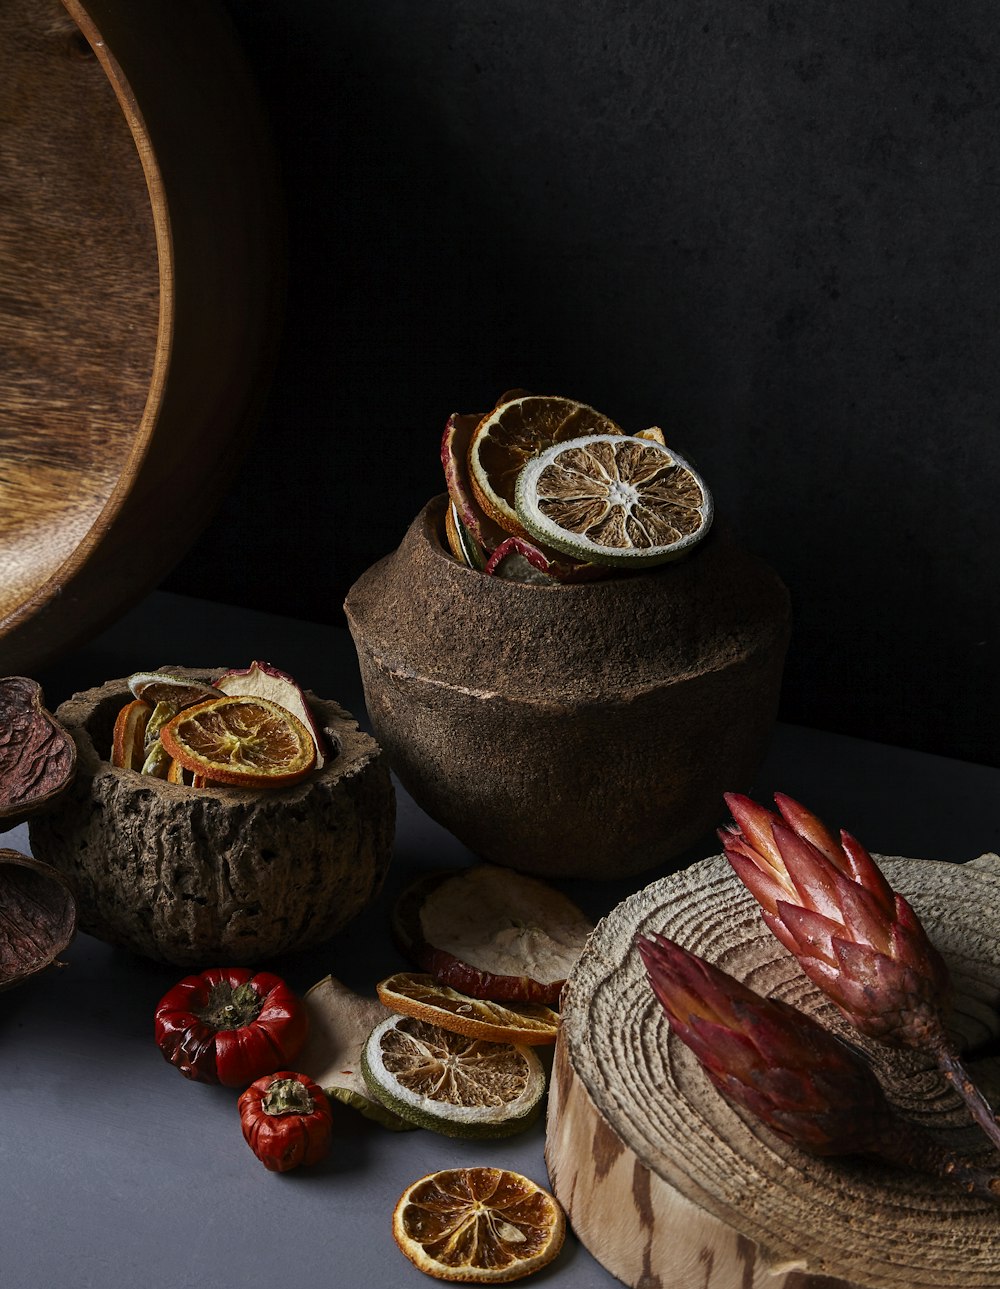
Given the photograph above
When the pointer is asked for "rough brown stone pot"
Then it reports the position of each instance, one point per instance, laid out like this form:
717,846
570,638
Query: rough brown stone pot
203,876
586,730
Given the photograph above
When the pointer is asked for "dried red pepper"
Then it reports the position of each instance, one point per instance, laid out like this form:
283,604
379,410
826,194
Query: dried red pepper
286,1120
230,1025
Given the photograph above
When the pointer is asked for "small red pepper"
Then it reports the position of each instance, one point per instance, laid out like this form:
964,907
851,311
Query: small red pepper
286,1120
230,1025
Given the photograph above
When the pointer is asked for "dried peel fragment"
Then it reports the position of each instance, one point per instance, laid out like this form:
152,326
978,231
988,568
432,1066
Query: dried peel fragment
37,756
37,917
490,932
340,1021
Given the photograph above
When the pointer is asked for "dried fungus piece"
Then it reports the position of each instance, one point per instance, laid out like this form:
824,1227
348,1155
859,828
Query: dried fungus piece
37,917
37,756
491,933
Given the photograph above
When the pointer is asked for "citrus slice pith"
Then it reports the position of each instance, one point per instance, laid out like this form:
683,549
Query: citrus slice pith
478,1225
417,994
514,432
614,499
241,741
451,1084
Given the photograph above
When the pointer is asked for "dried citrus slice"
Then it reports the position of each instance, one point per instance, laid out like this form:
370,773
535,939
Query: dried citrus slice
478,1225
513,433
491,933
614,499
158,760
418,994
128,742
461,542
241,740
458,1086
163,687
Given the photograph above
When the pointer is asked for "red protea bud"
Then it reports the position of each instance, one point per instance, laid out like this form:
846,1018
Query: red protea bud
854,937
800,1080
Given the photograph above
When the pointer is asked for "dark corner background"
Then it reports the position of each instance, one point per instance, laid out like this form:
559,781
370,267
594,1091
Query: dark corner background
770,228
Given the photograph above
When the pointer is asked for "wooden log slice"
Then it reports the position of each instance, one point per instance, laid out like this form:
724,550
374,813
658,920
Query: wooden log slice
670,1187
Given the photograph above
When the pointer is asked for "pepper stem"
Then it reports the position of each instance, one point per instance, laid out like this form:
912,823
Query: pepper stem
230,1006
957,1075
287,1096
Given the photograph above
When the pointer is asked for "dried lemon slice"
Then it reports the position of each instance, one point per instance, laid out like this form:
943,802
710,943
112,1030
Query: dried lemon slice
241,740
416,994
478,1225
458,1086
614,499
514,432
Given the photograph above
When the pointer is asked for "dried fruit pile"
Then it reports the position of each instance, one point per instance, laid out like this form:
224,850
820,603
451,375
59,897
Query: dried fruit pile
251,728
544,488
420,1054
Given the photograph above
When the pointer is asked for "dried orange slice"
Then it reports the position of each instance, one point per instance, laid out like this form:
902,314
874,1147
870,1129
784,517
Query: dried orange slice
478,1225
416,994
241,740
514,432
614,499
128,742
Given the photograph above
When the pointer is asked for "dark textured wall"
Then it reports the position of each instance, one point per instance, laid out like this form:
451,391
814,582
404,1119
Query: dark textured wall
769,227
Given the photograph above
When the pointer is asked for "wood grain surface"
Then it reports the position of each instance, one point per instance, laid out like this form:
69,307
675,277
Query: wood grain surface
140,262
670,1187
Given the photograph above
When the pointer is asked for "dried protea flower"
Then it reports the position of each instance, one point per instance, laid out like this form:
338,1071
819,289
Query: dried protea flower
798,1078
857,939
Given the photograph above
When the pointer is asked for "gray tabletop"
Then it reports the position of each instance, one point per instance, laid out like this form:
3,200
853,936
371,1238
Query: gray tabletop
117,1172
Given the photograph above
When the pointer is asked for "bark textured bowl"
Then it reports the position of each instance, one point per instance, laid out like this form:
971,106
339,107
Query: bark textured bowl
585,730
202,876
140,275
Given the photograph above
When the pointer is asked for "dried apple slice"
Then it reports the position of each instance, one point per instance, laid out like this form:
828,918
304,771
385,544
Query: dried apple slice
262,680
340,1022
491,933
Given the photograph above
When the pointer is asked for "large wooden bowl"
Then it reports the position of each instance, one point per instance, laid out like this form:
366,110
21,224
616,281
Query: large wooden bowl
139,281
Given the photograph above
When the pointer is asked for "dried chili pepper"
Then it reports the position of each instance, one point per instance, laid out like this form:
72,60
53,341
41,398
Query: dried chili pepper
230,1025
286,1120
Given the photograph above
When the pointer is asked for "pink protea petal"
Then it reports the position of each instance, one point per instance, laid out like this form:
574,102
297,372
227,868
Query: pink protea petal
812,933
863,869
755,823
863,916
759,882
911,944
779,930
808,826
815,878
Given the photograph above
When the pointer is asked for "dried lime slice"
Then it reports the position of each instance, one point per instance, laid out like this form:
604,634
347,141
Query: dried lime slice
620,500
452,1084
161,687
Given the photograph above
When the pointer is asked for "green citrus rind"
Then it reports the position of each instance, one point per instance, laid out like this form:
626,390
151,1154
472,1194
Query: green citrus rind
370,1108
471,1122
544,528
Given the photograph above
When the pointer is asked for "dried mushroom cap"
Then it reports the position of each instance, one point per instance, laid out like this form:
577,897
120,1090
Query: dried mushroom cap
39,917
37,756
